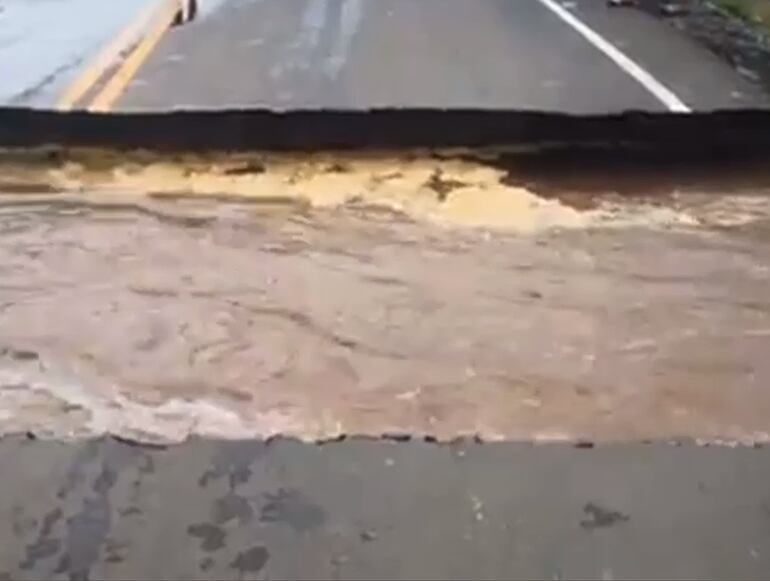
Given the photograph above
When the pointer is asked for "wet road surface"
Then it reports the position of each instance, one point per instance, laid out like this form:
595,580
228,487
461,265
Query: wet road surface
43,44
343,54
354,53
382,510
434,53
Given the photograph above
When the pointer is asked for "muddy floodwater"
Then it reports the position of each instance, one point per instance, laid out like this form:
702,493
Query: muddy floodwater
320,296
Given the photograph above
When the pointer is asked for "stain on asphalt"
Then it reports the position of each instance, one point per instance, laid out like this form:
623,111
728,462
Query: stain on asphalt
105,481
232,507
291,507
40,550
212,537
21,524
147,466
765,508
44,546
114,552
87,530
77,470
234,460
251,561
49,521
206,564
130,511
600,517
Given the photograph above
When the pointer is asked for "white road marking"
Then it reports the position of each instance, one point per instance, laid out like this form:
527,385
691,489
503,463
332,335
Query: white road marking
350,21
655,87
306,43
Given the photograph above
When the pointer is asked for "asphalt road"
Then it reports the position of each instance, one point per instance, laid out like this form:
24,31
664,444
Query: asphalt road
285,54
43,45
381,510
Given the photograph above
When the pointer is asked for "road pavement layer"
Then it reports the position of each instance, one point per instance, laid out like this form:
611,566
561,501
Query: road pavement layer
373,509
43,45
344,54
285,54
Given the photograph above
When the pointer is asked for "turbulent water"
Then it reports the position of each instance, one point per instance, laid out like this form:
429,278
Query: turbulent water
361,299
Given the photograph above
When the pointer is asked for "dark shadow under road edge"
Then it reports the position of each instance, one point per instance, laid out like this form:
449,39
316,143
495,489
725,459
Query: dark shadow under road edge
725,132
381,509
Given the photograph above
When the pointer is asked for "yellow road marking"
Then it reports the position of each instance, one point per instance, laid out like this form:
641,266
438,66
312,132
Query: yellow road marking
109,55
118,83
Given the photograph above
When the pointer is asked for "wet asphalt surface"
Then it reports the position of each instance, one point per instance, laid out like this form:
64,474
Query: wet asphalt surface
369,509
284,54
352,54
43,44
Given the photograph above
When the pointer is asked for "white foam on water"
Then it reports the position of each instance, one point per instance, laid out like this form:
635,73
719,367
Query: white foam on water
31,402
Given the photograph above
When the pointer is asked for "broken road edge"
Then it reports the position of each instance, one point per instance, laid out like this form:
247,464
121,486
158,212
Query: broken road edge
719,133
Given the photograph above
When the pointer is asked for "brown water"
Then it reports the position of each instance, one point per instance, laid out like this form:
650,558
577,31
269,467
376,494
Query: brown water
332,299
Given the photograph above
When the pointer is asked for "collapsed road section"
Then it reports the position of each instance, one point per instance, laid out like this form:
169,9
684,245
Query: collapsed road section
507,325
316,294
